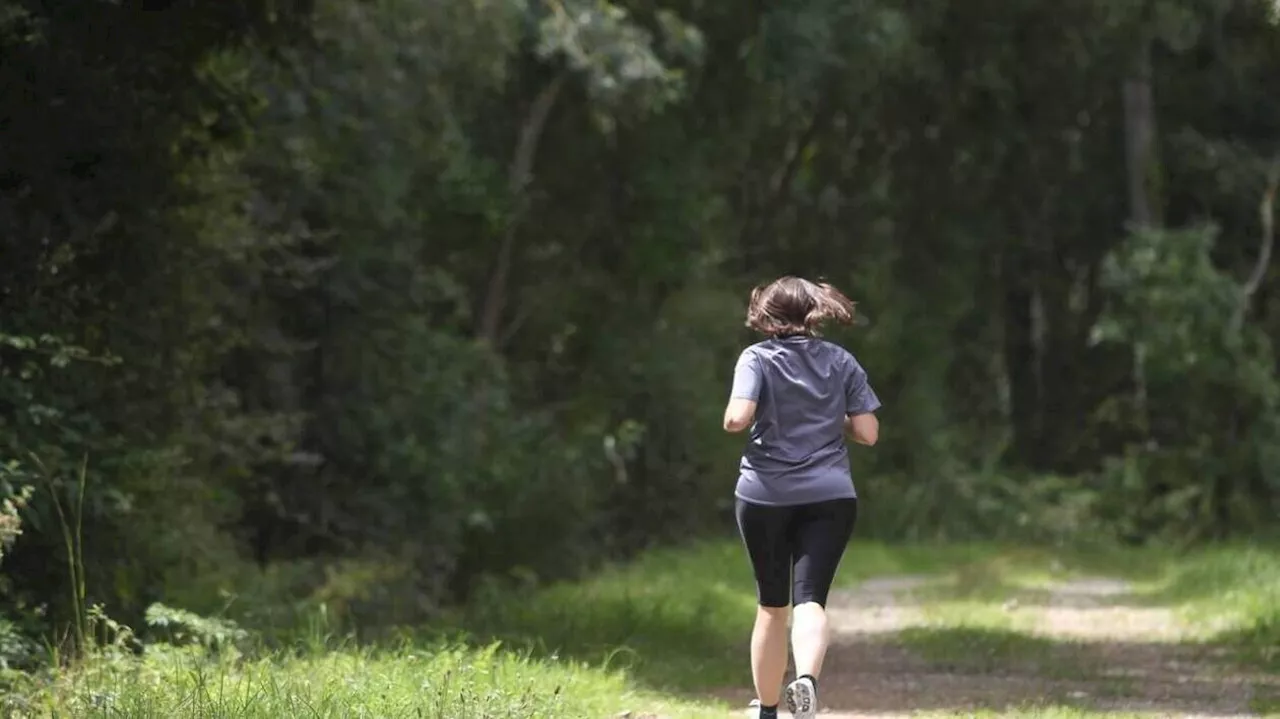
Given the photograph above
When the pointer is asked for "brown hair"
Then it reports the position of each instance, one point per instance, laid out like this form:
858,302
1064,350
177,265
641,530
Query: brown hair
796,306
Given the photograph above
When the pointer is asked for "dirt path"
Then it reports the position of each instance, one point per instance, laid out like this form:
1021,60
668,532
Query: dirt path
1088,644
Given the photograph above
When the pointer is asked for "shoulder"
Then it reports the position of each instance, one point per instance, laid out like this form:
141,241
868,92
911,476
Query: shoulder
750,355
757,350
836,351
842,357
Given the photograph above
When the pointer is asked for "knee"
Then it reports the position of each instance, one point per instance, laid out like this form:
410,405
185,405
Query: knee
772,614
809,617
810,609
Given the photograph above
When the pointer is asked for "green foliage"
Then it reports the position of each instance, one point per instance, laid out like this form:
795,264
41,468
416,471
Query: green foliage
180,627
1170,299
10,521
1206,396
617,57
356,309
432,457
671,617
599,646
17,650
1045,509
1233,595
182,679
435,682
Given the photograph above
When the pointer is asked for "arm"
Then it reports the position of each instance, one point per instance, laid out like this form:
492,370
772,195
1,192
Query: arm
747,378
861,402
863,428
738,414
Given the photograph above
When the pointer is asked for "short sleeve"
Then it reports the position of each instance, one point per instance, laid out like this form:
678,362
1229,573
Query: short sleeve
859,397
747,377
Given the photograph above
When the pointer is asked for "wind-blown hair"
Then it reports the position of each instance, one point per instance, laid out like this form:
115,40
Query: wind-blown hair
796,306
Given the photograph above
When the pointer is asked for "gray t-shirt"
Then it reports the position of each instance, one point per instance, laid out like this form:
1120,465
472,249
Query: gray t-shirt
804,388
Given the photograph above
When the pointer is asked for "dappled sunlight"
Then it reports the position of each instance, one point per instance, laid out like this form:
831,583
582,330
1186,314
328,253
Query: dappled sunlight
1001,638
1002,631
1102,623
370,359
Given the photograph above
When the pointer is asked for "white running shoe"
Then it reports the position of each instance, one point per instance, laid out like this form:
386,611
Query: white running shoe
801,698
754,709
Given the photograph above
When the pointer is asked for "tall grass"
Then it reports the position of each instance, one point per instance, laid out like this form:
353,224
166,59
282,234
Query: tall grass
436,682
73,542
1232,594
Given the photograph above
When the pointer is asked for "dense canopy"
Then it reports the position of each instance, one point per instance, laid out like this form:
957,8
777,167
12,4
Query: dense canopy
453,288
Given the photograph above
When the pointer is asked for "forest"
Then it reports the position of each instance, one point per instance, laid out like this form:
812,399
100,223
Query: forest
387,305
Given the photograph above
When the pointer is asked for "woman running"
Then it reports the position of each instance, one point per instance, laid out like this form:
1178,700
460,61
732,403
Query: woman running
796,505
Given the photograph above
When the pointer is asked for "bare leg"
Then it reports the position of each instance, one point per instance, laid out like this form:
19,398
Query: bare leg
809,638
769,653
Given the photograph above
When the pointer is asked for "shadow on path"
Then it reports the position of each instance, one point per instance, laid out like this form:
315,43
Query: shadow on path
1089,650
879,675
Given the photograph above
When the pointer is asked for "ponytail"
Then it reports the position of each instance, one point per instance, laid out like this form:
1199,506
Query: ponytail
829,305
792,305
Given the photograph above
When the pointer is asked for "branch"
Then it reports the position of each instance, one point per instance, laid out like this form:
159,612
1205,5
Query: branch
1266,213
518,179
780,181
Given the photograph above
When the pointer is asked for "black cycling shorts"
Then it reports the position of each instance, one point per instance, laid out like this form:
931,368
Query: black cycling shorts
795,550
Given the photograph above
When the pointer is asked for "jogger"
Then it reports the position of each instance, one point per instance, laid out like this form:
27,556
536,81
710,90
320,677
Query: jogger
796,505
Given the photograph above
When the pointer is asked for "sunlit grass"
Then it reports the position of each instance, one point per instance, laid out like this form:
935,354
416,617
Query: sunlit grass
675,618
1225,596
649,635
439,683
1232,597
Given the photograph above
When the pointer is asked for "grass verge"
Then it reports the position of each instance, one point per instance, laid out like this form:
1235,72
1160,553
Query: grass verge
616,642
1228,597
441,682
647,636
1231,595
677,619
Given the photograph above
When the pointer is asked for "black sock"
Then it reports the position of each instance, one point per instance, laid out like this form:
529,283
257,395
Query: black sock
769,712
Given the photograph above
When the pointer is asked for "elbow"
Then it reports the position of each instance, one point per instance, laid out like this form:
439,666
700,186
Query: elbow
864,429
739,414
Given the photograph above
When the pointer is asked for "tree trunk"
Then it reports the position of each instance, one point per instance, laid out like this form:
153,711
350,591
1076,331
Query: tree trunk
1144,206
1140,134
1267,219
1020,355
